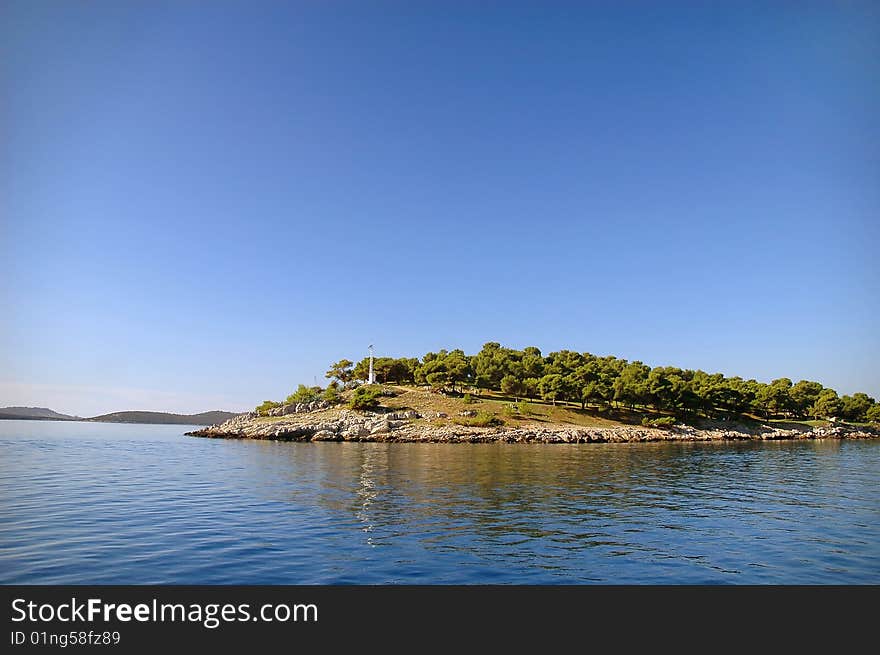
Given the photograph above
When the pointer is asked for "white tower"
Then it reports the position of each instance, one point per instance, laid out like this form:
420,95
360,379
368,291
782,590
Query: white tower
372,378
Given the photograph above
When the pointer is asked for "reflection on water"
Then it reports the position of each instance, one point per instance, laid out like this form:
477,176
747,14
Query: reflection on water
367,491
87,503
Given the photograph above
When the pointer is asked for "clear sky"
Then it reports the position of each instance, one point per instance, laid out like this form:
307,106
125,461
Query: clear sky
204,204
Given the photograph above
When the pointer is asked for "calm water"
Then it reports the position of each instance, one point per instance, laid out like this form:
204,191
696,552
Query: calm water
100,503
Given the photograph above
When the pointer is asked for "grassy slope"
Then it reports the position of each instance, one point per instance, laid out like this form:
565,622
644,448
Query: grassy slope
542,414
428,404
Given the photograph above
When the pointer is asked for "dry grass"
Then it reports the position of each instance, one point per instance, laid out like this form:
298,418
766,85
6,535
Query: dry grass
429,404
540,415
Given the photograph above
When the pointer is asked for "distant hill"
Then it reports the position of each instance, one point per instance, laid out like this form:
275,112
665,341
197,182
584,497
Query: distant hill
205,418
35,413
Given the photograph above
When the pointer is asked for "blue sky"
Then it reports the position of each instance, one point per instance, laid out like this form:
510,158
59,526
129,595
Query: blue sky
203,205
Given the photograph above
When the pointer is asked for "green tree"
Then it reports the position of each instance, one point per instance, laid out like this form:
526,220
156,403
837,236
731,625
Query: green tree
631,386
552,387
361,370
723,398
666,386
491,364
341,371
458,368
597,392
383,368
593,380
775,398
531,387
524,408
303,394
751,389
745,395
804,395
873,414
264,407
532,363
388,369
855,408
412,363
703,385
565,362
365,397
444,369
403,370
827,405
607,380
433,364
438,380
512,386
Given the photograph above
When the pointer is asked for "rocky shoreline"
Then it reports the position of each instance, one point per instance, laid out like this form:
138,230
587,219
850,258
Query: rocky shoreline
318,422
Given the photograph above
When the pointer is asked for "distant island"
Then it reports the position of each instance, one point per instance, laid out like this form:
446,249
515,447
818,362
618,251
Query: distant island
161,418
35,414
502,394
205,418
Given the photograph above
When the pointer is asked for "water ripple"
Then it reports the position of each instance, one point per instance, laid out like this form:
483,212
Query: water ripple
114,504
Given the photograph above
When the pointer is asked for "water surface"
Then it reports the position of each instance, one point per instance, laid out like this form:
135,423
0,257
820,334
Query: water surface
89,503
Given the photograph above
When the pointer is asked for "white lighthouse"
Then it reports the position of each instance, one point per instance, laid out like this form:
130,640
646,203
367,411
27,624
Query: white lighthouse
372,377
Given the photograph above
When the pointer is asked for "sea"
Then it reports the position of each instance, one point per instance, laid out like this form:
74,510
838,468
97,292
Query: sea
99,503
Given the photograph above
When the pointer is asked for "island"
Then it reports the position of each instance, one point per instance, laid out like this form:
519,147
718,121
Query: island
521,396
163,418
151,418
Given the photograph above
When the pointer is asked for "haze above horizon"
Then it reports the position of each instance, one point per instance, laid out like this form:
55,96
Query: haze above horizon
202,206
